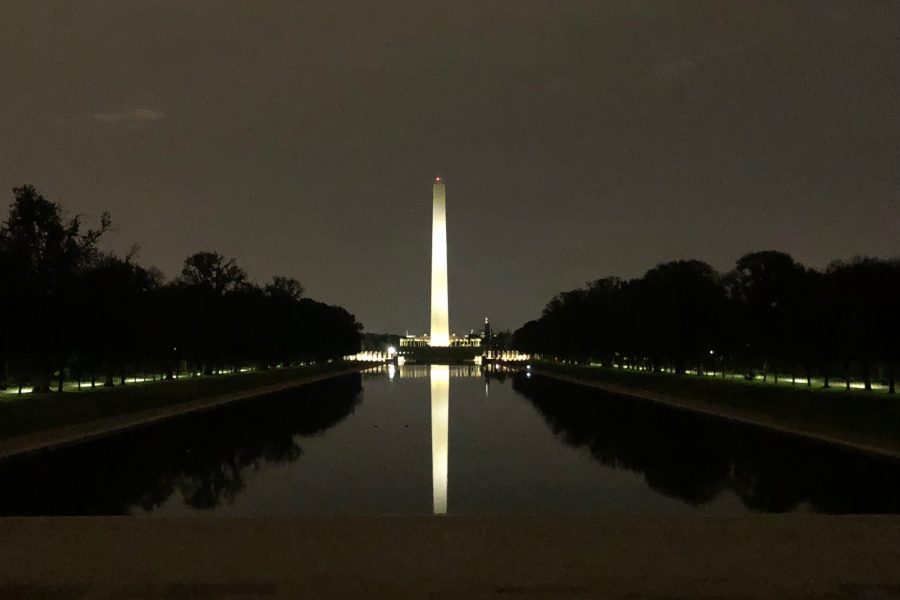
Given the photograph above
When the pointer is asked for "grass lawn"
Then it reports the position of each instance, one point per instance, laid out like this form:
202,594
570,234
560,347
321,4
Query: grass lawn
873,416
34,412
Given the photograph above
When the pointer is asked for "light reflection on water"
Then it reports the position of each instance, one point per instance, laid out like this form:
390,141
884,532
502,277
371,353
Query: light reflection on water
440,435
498,443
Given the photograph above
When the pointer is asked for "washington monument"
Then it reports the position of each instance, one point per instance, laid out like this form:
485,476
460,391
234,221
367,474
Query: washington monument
440,318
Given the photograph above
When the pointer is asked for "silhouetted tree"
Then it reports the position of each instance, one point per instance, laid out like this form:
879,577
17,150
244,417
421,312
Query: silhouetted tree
767,286
115,296
67,307
864,292
43,255
682,305
769,313
211,270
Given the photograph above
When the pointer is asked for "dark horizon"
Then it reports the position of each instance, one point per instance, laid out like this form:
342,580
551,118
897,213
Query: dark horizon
577,141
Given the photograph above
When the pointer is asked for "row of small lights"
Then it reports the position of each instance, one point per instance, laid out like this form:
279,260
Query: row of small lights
86,385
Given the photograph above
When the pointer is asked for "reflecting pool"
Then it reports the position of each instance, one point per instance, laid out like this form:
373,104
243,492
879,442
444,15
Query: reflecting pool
447,439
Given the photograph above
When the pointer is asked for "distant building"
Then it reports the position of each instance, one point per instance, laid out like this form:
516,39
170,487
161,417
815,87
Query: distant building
470,340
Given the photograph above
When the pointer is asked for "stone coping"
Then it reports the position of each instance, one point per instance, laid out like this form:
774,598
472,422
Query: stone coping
612,557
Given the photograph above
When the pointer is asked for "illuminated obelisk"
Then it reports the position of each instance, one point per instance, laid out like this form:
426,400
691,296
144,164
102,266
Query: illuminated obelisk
440,319
440,435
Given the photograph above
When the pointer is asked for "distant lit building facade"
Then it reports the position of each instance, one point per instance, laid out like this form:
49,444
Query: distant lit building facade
471,340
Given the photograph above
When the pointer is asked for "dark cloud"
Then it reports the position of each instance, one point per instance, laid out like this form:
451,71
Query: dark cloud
578,139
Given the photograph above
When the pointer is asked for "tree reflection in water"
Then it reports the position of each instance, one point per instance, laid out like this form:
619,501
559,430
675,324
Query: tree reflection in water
695,458
204,458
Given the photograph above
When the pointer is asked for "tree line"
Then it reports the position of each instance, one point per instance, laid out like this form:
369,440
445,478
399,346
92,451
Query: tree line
769,315
70,310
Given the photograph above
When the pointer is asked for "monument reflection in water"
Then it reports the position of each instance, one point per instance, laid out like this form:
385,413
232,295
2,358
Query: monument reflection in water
440,434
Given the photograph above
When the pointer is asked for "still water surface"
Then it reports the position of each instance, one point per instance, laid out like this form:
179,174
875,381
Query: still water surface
420,440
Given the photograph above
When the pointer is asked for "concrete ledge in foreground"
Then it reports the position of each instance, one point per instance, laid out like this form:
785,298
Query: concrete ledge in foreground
765,557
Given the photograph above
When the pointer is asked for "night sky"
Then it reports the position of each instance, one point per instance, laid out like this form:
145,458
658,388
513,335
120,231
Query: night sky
577,139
